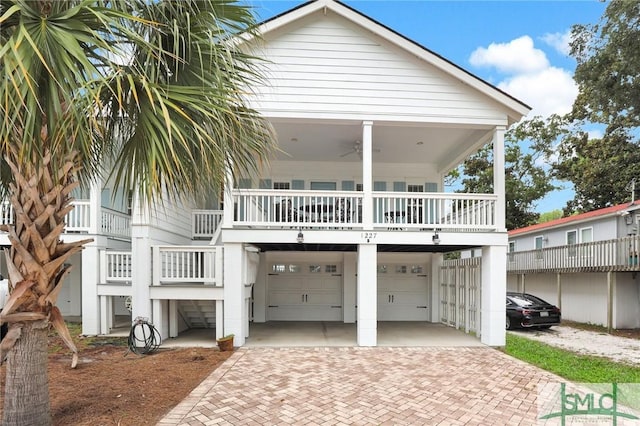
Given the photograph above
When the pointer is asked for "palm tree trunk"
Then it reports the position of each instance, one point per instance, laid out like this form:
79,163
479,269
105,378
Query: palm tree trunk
27,383
37,266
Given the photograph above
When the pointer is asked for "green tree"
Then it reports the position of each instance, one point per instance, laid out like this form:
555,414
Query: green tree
549,216
608,78
527,180
155,88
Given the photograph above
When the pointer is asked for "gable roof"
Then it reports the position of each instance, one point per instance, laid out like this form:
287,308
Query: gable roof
607,211
516,108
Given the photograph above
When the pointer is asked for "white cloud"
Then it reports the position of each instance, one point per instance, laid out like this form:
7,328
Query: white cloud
529,75
516,56
548,91
559,41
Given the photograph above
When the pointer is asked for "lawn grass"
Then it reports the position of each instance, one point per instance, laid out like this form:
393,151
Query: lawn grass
573,367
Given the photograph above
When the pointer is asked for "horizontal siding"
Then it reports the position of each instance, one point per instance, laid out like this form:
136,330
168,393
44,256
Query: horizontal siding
330,65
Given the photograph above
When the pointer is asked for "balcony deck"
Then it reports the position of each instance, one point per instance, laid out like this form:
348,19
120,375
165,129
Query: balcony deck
617,255
277,209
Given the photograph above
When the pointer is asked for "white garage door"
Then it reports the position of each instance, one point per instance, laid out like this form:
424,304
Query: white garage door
305,292
402,292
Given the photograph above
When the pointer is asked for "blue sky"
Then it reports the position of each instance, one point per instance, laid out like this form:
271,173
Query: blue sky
519,46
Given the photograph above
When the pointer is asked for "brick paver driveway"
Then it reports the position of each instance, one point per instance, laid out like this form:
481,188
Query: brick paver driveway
365,386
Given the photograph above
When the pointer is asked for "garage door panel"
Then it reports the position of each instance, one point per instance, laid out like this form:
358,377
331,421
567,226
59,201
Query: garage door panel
403,293
410,298
306,292
332,299
304,313
285,298
284,282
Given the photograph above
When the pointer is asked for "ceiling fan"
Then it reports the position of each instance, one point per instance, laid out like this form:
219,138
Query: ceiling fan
357,149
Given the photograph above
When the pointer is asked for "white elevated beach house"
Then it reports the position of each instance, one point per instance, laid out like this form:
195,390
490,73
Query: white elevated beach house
349,222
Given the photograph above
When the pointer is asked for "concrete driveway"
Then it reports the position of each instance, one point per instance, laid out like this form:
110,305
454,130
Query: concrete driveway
366,386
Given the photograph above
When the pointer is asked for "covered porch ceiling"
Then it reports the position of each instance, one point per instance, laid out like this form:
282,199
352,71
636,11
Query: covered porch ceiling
392,143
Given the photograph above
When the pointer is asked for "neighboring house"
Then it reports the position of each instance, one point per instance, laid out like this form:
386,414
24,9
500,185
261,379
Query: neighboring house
349,222
587,264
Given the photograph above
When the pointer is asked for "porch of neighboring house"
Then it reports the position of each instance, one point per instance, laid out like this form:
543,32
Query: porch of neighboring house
596,282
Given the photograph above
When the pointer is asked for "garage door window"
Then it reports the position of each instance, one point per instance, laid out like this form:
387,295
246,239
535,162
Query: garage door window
401,269
416,269
331,269
315,269
382,269
281,268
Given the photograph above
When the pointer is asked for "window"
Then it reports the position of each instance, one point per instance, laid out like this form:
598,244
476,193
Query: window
586,236
359,187
414,207
572,240
512,249
323,186
331,269
538,242
281,185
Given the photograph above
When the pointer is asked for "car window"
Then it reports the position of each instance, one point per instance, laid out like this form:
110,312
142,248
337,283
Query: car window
527,300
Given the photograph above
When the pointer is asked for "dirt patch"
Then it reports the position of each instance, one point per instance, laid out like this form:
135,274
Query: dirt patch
112,386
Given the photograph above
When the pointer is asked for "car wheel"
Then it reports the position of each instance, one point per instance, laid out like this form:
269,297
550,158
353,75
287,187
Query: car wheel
508,323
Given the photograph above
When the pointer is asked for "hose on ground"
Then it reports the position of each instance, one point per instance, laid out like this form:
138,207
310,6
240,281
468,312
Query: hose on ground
143,337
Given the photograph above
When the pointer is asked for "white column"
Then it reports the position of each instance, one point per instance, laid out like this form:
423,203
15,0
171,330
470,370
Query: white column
141,274
90,280
494,288
234,305
220,319
227,215
106,314
260,291
367,295
95,208
160,317
498,177
367,175
349,288
140,259
436,264
173,318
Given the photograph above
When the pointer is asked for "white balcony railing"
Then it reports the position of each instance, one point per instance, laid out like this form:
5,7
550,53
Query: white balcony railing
205,222
79,219
115,267
414,210
187,265
113,223
609,255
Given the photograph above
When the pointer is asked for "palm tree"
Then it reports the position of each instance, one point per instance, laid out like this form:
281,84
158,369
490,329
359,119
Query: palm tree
155,88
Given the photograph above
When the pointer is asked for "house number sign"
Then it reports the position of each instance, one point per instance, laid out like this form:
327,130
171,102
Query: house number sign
369,236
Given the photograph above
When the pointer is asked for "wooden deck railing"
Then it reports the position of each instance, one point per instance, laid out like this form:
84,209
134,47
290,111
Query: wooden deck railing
609,255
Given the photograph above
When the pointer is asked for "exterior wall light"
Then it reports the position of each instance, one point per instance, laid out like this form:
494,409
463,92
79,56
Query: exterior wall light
436,237
300,238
